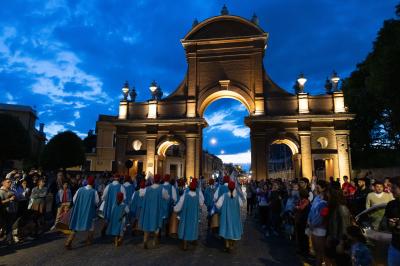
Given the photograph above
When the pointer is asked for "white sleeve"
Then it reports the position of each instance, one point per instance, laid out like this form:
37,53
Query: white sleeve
179,205
216,194
220,201
240,201
105,192
97,200
133,194
123,191
201,198
127,209
165,194
174,194
76,194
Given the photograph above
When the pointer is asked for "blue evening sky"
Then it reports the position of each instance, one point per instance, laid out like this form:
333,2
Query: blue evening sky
69,59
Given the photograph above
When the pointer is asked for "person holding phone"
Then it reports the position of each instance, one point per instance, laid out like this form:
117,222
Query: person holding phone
392,213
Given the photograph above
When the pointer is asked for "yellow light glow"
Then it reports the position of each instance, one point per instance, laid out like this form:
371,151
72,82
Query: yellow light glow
338,101
152,110
292,146
303,103
162,149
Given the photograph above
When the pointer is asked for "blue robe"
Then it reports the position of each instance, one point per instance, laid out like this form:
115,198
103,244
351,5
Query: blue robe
230,224
136,205
151,215
110,199
117,220
209,198
84,210
189,218
128,193
167,204
222,189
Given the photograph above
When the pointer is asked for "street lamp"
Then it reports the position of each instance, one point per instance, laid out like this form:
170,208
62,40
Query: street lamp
125,90
335,80
301,81
153,89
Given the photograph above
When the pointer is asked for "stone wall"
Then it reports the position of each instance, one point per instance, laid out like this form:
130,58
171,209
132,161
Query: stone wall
378,173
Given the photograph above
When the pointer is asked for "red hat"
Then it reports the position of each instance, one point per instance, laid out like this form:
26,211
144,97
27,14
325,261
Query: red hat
127,178
192,186
231,185
142,184
211,181
226,179
120,197
115,176
167,178
90,180
194,180
157,178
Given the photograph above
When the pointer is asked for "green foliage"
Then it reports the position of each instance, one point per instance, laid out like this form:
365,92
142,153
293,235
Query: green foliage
64,150
15,143
372,92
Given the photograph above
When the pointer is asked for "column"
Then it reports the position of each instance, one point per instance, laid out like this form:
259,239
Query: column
259,156
123,110
190,156
150,155
306,158
342,142
198,159
336,173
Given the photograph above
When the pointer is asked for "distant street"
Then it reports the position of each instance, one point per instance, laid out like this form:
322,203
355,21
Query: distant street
253,249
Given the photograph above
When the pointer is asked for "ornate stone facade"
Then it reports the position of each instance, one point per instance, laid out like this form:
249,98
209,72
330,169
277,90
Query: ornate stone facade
225,60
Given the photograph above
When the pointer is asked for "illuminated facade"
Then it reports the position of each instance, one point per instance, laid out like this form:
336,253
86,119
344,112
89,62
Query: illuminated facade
225,60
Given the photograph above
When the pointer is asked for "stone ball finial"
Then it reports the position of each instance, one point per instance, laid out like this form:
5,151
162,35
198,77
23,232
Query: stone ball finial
195,23
224,10
255,19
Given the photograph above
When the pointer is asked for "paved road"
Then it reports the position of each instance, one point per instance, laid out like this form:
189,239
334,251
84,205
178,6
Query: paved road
253,249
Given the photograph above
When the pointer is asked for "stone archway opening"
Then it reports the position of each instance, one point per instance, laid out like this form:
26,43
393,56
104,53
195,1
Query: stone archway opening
283,159
226,135
170,158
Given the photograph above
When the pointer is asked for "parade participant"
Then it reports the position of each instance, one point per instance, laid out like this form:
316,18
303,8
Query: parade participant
83,213
181,188
230,227
109,195
170,202
129,189
222,189
116,226
188,209
209,196
151,216
137,204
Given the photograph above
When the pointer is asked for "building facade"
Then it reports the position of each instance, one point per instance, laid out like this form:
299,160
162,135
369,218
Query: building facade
225,60
28,118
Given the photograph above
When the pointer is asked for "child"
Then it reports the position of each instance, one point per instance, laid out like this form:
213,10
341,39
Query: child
63,200
360,254
116,225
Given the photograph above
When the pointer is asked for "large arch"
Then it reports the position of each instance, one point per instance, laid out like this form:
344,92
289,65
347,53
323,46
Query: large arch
226,89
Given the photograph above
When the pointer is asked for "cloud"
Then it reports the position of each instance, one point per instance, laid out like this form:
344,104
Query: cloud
237,158
77,115
53,128
218,120
9,98
71,123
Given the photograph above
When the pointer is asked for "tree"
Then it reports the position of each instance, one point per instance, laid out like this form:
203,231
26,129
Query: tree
15,143
64,150
372,93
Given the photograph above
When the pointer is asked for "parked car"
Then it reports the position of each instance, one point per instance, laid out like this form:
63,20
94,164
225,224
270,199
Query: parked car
374,226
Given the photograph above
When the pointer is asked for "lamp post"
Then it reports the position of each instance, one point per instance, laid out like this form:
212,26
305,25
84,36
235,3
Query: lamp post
125,90
335,81
301,80
153,89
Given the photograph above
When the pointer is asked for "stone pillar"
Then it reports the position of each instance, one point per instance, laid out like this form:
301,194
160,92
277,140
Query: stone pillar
150,155
198,159
306,158
342,141
338,102
259,156
302,99
123,110
190,156
336,173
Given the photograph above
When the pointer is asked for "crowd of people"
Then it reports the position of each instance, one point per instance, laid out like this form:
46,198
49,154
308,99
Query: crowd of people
320,216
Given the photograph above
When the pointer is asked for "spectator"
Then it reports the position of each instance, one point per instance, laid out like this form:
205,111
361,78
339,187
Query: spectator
38,205
300,218
360,254
387,185
375,198
63,200
8,207
348,189
360,196
274,209
317,221
304,184
392,213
